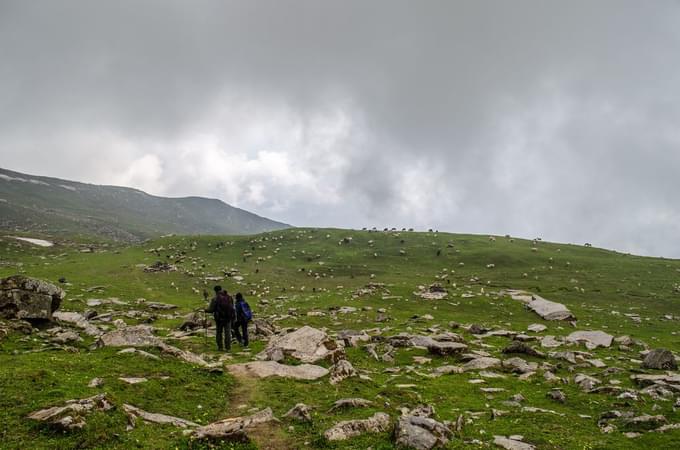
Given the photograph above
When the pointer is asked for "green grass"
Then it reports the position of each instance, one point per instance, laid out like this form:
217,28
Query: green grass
599,287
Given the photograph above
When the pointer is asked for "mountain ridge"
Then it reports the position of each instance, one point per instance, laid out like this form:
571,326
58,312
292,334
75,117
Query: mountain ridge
33,203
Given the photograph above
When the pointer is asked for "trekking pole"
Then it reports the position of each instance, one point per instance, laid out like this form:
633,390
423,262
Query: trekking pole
205,319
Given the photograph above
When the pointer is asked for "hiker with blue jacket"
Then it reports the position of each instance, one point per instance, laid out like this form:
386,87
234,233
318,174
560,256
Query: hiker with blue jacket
222,307
243,316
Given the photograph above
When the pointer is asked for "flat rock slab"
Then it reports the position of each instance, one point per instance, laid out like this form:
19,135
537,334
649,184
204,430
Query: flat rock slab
72,414
233,428
378,423
136,336
77,320
547,309
135,413
511,444
264,369
591,339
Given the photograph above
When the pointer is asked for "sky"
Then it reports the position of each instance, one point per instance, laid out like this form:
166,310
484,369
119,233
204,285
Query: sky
551,119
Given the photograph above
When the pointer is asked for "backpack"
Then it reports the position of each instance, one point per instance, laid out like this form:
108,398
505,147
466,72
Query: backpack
246,312
223,309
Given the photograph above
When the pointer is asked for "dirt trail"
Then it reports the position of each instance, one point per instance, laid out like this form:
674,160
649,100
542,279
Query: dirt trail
267,436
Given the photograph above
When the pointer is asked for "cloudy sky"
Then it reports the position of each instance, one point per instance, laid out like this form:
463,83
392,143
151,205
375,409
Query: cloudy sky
558,119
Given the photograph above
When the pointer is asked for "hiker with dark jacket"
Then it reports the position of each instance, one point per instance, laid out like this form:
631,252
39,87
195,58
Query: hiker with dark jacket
243,316
222,307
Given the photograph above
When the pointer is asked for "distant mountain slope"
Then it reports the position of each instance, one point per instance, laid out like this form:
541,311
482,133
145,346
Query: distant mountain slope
51,205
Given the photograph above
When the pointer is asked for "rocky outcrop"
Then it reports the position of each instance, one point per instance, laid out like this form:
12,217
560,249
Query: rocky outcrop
378,423
265,369
28,298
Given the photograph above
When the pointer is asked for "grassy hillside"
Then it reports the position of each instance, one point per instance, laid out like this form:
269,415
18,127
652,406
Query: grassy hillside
287,274
50,205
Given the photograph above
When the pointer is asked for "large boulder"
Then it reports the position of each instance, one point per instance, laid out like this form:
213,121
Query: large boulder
305,344
660,359
28,298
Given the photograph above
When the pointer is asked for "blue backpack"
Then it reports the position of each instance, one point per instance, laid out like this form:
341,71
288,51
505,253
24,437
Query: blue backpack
246,311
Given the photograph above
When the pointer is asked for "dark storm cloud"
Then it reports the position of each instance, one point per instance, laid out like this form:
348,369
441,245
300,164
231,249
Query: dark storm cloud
534,118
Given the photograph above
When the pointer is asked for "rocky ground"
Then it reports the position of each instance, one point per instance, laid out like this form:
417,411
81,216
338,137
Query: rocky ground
360,339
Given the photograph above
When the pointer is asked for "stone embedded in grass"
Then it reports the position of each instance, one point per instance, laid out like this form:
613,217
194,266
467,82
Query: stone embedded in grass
511,444
71,416
482,364
341,370
445,348
95,383
547,309
265,369
418,430
592,338
350,403
521,347
378,423
232,429
133,413
300,412
133,380
518,365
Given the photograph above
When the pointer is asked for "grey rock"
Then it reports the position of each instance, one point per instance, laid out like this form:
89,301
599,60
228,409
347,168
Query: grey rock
28,298
660,359
378,423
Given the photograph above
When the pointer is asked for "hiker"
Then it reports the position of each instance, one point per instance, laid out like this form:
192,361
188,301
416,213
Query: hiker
222,307
243,316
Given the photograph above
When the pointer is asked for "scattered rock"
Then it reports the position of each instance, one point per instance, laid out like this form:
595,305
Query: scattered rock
134,336
417,430
511,444
233,429
518,365
434,292
300,412
341,370
557,395
350,403
95,383
445,348
72,415
134,413
537,328
660,359
521,347
591,339
482,363
133,380
378,423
